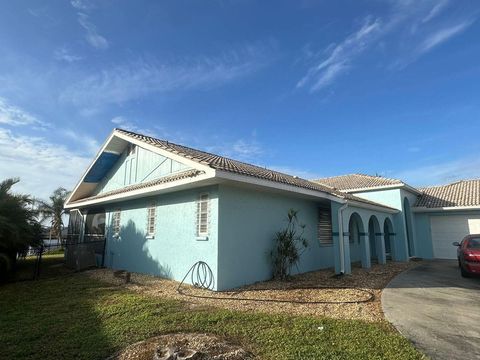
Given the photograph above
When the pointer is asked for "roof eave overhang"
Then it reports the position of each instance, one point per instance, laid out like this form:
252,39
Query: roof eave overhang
102,149
191,182
447,208
384,187
252,180
374,207
115,133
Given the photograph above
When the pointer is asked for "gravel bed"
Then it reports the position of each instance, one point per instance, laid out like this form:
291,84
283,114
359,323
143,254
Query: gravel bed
311,288
191,346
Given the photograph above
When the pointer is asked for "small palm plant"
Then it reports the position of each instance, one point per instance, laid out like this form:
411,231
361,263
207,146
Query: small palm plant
54,210
289,246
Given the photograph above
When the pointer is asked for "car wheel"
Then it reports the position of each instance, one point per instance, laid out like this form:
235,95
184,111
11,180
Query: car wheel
464,273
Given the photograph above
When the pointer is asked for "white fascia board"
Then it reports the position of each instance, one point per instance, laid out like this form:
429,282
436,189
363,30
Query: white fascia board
412,189
140,192
448,208
225,175
105,144
166,153
385,187
379,208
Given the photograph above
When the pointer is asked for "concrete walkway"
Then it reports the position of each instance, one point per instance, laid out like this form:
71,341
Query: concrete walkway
436,309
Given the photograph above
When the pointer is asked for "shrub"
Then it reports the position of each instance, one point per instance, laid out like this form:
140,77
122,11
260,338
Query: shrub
289,244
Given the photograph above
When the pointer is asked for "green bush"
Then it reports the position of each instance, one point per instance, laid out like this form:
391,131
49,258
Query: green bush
289,244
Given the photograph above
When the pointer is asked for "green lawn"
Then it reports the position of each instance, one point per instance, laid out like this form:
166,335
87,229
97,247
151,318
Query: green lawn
75,317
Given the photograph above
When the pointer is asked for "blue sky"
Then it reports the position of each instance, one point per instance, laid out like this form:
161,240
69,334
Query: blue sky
312,88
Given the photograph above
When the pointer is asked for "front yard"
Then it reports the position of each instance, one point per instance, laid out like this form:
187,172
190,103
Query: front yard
78,316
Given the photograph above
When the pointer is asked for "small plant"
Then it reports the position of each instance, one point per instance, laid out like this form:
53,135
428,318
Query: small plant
289,245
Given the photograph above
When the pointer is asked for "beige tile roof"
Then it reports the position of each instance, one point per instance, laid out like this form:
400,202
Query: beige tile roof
234,166
461,193
357,181
126,189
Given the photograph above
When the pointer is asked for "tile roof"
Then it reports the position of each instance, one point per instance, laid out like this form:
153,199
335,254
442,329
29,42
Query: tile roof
162,180
461,193
234,166
357,181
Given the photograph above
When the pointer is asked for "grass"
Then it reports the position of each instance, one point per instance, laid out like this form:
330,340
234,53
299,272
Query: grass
73,316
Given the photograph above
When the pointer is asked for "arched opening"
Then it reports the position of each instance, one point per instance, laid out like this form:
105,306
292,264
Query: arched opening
373,231
408,226
388,236
355,229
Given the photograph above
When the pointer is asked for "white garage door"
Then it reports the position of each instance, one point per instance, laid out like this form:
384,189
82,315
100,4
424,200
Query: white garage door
447,229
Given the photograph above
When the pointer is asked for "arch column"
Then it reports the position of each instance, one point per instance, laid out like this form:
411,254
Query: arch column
346,253
380,245
365,246
393,244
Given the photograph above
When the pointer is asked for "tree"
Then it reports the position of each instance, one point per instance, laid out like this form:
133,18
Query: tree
19,227
289,244
54,210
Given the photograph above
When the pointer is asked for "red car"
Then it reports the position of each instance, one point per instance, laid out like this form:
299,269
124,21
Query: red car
468,254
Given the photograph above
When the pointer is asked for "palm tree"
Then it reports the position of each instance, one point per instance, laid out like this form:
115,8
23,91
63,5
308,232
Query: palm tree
19,227
54,210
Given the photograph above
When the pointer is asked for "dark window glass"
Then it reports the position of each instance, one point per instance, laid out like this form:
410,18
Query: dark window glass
473,243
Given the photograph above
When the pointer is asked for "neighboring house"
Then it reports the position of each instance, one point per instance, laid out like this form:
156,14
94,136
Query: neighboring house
162,207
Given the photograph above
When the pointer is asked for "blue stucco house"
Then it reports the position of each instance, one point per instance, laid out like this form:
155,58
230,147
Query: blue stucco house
156,207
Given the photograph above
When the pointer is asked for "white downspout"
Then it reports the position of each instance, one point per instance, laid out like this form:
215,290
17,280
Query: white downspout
340,237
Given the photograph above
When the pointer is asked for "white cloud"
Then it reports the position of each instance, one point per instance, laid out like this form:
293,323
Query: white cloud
441,35
92,36
442,173
411,22
81,4
134,79
248,150
341,56
436,10
41,165
84,141
63,54
15,116
126,124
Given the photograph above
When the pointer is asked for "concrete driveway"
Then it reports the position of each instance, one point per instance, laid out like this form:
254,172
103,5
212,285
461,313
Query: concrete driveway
436,309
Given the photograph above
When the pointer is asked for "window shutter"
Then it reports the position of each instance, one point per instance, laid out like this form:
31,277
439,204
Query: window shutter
324,226
116,222
203,215
151,219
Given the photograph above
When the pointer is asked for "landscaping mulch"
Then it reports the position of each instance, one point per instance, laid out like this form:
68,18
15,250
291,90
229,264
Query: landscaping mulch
318,293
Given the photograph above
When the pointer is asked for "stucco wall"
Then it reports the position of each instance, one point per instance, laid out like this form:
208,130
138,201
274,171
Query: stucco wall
422,227
175,247
248,221
390,197
395,199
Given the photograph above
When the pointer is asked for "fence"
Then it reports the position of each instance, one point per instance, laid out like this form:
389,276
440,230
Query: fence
89,253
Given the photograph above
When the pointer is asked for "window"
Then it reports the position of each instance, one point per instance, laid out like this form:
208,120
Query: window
151,218
202,215
324,226
116,222
473,243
